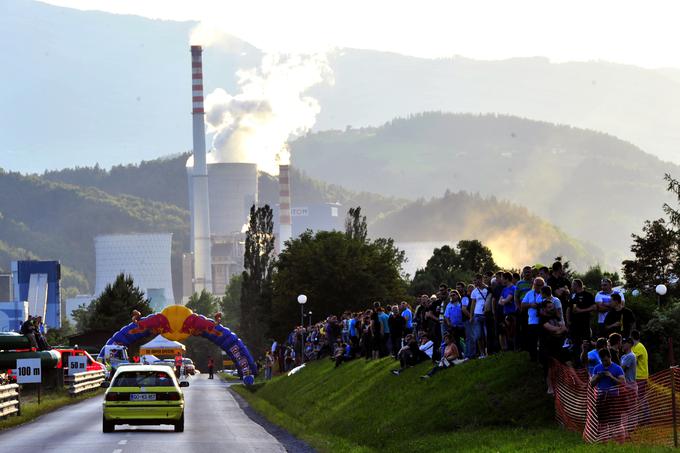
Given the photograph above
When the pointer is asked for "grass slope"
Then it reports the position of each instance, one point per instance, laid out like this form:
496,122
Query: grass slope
495,404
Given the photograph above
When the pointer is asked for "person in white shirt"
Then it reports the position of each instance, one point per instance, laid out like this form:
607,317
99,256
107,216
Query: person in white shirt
603,299
478,301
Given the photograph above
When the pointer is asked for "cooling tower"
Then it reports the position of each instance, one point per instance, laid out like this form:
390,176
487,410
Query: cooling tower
146,257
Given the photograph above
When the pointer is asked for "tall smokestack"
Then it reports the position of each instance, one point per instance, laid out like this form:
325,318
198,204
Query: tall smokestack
285,224
199,180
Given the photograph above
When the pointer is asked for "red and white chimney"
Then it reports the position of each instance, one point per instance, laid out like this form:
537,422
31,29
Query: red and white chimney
200,215
285,224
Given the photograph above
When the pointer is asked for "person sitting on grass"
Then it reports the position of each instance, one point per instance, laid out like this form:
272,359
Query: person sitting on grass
412,354
450,356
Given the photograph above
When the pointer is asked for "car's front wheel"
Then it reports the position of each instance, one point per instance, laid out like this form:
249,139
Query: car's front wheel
179,424
107,426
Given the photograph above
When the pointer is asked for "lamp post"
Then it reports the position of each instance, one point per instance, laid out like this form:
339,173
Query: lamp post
661,290
302,300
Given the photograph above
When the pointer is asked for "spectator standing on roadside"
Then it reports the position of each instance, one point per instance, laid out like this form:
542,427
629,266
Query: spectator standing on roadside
582,307
509,312
522,287
468,319
453,318
376,332
592,357
641,374
619,319
603,300
628,362
397,325
531,304
478,300
407,314
385,345
614,343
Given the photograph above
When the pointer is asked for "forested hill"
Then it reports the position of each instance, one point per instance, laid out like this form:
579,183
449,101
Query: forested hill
50,220
165,180
591,185
516,236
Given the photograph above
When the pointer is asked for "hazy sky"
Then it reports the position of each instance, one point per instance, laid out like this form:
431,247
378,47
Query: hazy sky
622,31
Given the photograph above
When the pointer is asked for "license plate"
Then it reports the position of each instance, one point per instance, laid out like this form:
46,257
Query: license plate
142,397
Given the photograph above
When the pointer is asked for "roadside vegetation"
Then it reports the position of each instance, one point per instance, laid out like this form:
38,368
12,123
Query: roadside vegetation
49,401
495,404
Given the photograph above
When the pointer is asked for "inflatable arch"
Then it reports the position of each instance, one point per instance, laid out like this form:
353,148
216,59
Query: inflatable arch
178,322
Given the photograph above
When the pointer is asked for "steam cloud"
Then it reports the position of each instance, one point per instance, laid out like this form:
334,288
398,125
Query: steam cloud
255,124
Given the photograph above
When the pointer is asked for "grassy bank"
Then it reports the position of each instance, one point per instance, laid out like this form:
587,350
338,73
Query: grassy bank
495,404
49,401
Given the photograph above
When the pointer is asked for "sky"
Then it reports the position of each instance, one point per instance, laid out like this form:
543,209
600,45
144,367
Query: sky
622,31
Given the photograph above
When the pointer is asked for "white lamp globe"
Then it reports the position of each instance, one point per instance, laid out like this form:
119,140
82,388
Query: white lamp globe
302,299
661,290
636,292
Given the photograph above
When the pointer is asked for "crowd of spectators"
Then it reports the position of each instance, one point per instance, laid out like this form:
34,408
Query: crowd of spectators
540,311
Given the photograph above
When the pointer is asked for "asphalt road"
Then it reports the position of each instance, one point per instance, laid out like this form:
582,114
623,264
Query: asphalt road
213,423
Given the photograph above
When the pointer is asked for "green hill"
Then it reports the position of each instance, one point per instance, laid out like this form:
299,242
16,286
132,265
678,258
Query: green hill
515,236
50,220
593,186
495,404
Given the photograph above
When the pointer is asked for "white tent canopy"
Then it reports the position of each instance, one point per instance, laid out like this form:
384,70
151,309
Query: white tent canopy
161,346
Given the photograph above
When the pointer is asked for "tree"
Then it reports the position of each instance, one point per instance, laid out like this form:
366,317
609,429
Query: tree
451,265
656,257
59,336
204,304
336,272
256,279
657,251
355,225
592,278
112,309
231,304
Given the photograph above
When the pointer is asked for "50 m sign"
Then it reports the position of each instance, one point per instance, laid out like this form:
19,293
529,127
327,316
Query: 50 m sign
29,371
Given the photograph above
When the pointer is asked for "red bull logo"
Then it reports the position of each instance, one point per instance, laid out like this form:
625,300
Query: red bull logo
197,325
156,323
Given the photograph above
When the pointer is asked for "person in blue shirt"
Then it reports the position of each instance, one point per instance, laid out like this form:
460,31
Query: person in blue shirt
531,304
592,357
607,376
453,318
408,316
507,301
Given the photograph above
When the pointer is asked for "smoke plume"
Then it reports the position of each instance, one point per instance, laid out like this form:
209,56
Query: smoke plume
270,108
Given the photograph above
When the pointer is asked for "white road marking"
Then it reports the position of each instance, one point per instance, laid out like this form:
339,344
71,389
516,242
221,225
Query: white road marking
117,450
122,442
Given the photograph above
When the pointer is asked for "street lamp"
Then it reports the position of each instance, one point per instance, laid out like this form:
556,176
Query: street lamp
661,290
310,319
302,300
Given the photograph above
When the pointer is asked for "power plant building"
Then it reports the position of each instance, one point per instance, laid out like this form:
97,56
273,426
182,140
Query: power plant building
145,257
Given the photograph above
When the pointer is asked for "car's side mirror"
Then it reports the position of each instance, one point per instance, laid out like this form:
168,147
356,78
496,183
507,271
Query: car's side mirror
105,384
184,384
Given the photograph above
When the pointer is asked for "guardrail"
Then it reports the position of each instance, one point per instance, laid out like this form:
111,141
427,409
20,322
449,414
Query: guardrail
82,382
9,400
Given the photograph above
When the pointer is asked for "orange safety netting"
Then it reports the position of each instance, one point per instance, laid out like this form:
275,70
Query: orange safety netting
641,412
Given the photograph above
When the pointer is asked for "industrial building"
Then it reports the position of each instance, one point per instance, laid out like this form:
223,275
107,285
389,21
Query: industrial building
146,257
34,288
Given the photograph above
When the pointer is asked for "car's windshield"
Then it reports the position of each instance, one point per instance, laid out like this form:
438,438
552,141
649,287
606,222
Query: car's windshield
143,379
187,362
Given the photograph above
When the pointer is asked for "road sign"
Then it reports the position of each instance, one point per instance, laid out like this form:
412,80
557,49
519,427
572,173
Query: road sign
77,364
29,371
